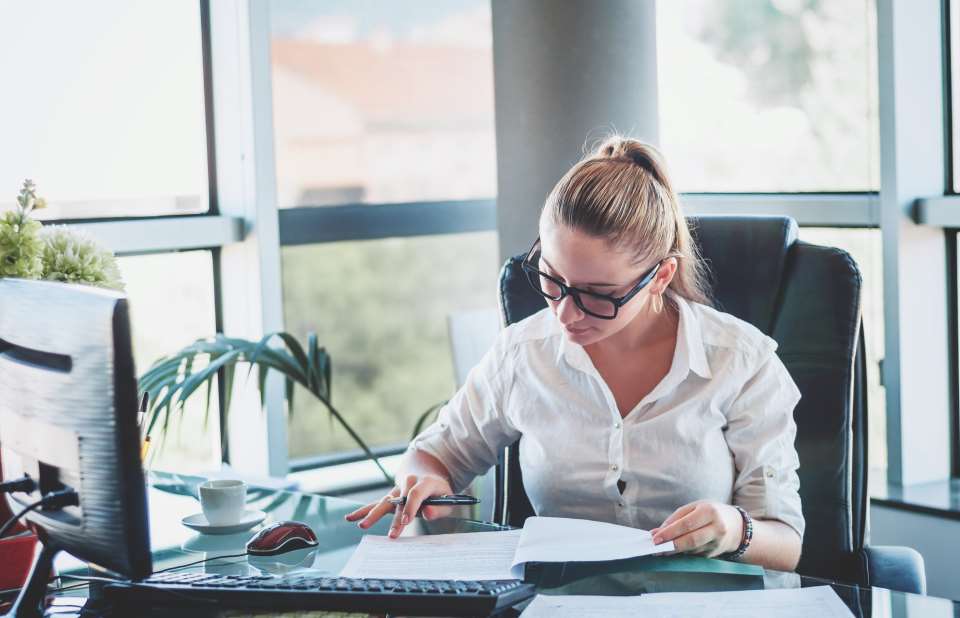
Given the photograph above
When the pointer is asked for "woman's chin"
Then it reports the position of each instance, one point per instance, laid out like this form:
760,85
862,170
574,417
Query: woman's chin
581,336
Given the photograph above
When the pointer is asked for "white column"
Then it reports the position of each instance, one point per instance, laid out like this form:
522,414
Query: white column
246,180
912,165
565,74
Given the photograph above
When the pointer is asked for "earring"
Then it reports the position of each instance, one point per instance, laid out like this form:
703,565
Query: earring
658,303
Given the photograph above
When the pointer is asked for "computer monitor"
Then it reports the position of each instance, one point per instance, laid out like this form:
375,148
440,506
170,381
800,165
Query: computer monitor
68,419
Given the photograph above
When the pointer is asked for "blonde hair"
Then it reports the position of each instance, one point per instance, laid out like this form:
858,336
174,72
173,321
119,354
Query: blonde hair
621,192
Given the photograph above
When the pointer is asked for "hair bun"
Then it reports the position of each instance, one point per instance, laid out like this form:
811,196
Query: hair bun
633,150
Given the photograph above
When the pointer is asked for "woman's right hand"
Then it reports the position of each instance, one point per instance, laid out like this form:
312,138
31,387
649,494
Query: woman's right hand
416,489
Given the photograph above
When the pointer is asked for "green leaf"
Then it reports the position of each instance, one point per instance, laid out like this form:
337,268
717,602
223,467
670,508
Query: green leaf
422,419
356,437
262,384
206,405
312,364
285,364
207,373
173,381
295,349
279,360
228,371
290,386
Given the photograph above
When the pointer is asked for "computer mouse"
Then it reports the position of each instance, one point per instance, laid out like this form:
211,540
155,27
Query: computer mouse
281,537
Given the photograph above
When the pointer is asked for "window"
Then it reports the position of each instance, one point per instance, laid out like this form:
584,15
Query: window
171,305
382,102
954,92
769,95
103,107
379,103
380,307
864,245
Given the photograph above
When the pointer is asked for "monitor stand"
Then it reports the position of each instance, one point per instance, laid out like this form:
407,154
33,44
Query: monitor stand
30,600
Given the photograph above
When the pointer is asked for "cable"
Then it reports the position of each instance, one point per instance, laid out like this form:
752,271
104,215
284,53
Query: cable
94,578
24,484
54,500
189,564
16,518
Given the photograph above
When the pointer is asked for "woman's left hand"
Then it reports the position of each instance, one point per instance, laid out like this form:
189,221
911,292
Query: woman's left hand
702,527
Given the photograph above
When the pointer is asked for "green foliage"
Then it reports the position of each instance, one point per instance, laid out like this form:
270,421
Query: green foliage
770,43
381,307
72,257
20,245
30,251
21,249
172,380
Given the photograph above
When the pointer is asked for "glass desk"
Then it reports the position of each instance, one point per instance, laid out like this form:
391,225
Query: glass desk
172,497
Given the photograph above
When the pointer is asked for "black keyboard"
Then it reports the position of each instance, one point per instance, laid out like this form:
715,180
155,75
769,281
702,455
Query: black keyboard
308,592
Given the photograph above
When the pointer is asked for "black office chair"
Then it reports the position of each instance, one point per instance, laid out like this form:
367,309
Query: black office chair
807,298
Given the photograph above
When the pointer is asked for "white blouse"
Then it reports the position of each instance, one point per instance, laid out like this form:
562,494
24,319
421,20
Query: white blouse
719,426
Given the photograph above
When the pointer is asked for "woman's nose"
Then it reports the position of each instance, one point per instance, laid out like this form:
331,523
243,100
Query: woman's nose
567,310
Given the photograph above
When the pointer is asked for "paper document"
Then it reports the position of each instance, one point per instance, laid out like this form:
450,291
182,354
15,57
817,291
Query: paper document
559,539
497,555
473,555
820,601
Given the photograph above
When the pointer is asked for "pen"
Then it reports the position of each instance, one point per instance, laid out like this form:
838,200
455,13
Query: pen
144,439
143,410
447,500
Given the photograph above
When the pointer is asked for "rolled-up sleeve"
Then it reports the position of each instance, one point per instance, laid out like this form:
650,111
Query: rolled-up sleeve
472,427
761,433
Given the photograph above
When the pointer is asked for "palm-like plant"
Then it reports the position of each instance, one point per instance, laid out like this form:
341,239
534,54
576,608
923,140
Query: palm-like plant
171,381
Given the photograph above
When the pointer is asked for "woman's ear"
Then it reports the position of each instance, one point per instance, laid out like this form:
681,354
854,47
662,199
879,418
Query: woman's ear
668,269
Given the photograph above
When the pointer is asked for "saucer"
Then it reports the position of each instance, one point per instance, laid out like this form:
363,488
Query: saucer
248,520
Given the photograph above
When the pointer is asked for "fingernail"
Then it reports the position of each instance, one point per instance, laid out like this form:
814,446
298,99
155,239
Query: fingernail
657,540
360,524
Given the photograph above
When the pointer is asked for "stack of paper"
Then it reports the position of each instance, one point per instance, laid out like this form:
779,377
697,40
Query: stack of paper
820,602
498,555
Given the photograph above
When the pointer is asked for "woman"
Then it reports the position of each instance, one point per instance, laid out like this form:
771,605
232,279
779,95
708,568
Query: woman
635,401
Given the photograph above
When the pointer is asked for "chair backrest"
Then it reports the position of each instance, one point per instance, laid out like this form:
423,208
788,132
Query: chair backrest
471,334
807,298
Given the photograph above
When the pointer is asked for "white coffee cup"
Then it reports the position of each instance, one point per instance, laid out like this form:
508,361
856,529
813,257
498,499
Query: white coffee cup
223,501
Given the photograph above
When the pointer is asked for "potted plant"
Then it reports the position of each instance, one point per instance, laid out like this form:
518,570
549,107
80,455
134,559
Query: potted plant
30,250
172,380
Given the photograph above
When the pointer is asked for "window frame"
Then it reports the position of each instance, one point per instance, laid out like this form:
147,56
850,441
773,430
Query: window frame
216,230
167,234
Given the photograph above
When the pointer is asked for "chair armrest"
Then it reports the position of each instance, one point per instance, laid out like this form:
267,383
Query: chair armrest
896,568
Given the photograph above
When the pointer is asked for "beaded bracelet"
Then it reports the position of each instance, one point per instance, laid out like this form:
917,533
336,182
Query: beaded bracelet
745,539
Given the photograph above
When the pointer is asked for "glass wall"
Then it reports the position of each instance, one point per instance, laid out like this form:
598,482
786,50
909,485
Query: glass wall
382,102
171,305
380,308
103,107
769,96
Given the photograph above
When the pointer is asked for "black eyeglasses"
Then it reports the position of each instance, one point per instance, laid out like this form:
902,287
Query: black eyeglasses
600,306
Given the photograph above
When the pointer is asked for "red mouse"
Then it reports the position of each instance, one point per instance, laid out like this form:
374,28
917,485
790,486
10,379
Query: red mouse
281,537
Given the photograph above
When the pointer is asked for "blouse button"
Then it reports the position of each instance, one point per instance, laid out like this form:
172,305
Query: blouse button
620,504
614,467
617,424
